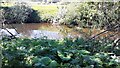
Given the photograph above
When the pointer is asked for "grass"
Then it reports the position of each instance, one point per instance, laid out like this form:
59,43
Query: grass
50,10
6,4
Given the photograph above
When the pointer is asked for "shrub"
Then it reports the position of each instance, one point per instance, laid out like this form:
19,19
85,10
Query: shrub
33,17
17,13
20,13
92,14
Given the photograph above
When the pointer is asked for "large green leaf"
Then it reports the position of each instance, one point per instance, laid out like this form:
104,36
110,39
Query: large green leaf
53,64
63,57
45,60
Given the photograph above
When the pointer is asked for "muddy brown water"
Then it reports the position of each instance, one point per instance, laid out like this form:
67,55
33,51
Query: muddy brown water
37,30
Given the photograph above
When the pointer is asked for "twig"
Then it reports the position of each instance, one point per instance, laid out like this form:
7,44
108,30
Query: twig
116,42
102,32
13,27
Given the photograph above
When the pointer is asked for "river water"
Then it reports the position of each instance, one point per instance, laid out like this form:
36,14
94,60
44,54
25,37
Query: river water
38,30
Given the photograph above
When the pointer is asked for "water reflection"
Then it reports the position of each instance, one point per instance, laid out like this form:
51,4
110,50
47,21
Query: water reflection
38,30
42,33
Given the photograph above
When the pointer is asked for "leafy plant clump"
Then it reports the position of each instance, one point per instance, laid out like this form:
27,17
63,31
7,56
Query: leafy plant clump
45,53
92,14
19,13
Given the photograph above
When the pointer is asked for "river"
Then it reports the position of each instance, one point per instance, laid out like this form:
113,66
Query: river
38,30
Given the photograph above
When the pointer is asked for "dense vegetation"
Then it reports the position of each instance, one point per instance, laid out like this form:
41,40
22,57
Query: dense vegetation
29,14
42,53
19,13
92,14
89,14
65,53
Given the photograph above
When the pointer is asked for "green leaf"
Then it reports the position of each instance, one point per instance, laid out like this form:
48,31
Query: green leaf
45,60
35,60
53,64
64,58
85,52
98,60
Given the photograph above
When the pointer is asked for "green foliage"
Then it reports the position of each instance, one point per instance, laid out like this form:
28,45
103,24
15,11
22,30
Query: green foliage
20,13
34,17
0,57
64,58
39,12
89,14
92,14
45,60
53,64
38,53
17,13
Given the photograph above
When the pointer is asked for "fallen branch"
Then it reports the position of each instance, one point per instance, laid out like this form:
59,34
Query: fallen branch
13,27
10,33
102,32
